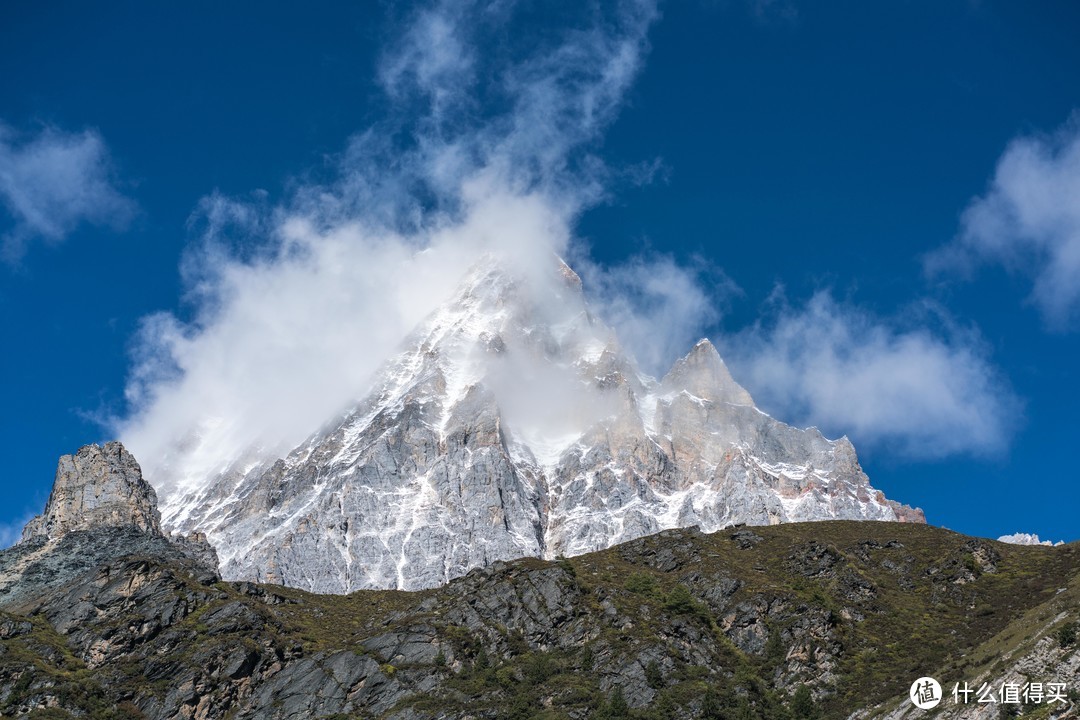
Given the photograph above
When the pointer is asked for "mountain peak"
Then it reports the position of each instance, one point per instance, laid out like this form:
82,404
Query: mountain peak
703,374
510,424
568,274
99,486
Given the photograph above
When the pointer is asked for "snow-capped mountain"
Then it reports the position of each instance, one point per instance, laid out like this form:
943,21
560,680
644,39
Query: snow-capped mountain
512,424
1021,538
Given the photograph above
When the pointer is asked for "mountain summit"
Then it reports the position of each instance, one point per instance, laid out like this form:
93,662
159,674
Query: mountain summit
511,423
99,486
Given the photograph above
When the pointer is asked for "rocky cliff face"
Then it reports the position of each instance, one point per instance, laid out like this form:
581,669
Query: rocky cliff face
100,509
99,486
512,424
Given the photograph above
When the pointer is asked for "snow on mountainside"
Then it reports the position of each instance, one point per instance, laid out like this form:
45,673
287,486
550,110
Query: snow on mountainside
512,424
1026,539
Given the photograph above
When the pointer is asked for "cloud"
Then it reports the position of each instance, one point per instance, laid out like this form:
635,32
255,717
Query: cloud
909,391
11,532
292,306
658,307
53,182
1029,222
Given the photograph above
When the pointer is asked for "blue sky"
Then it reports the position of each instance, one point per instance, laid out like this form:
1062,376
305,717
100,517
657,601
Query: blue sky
872,209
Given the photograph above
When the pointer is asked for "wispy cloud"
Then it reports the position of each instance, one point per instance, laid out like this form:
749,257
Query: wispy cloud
52,182
10,532
658,307
482,149
774,10
908,390
1029,222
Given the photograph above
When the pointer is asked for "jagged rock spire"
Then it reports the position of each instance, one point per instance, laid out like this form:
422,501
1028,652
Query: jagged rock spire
99,486
703,373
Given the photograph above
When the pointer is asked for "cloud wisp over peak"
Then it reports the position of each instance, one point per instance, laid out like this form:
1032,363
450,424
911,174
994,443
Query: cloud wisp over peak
295,304
487,149
52,182
907,391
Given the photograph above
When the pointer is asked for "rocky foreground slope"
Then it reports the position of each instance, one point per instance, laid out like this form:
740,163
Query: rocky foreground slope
800,620
512,424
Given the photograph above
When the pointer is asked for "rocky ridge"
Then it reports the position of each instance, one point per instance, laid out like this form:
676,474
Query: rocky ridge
790,622
100,508
512,424
1027,653
99,486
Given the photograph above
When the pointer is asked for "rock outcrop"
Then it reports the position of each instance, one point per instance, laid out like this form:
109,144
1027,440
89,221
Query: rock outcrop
803,620
99,486
100,509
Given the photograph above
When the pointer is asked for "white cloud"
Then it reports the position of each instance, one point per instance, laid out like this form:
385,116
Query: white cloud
294,306
908,391
53,182
11,532
657,307
1029,222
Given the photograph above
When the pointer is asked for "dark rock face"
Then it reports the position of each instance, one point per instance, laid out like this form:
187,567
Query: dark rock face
100,509
679,624
34,570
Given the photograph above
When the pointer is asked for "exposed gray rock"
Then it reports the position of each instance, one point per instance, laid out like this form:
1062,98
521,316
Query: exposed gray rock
745,539
32,571
814,560
99,486
512,424
100,509
197,547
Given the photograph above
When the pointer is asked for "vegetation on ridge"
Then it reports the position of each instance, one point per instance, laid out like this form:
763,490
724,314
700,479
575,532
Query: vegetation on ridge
792,622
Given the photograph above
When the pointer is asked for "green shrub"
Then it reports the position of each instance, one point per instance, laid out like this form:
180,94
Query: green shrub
640,583
505,677
802,704
615,708
713,706
538,667
653,675
680,602
481,662
774,647
1066,634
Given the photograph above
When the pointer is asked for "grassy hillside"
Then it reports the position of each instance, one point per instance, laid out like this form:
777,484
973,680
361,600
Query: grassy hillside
792,621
